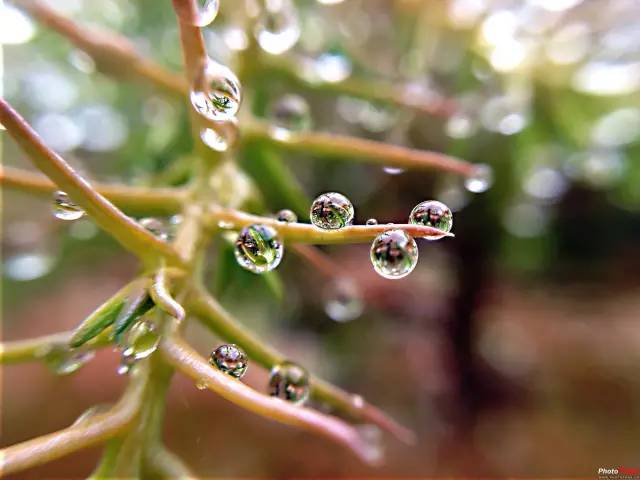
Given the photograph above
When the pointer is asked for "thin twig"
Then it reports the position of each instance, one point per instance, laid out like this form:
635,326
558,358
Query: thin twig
230,219
188,361
161,295
133,200
87,433
125,230
357,149
113,53
159,459
222,323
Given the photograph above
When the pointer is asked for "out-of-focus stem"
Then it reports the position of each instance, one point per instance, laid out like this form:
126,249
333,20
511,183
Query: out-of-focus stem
357,149
122,228
159,459
134,200
89,432
113,54
181,356
228,218
222,323
368,89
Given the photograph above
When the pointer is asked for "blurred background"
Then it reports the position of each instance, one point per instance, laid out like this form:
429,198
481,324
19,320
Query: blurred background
512,349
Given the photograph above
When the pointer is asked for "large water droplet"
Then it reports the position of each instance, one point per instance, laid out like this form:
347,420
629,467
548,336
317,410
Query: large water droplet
331,211
142,340
432,213
156,227
230,359
343,300
216,93
481,180
207,13
289,381
372,221
258,248
64,208
277,29
286,216
290,113
394,254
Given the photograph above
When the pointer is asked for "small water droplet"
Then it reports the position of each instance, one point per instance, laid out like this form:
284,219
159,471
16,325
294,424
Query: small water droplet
214,140
230,359
201,385
216,93
289,381
432,213
393,170
394,254
286,216
142,340
343,300
258,248
357,401
278,28
332,67
225,225
331,211
207,13
372,221
481,180
127,362
155,226
373,445
291,113
64,208
64,361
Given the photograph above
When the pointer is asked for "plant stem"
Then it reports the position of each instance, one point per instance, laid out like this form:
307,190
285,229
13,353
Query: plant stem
113,53
162,461
133,200
357,149
87,433
20,351
161,295
122,228
188,361
222,323
231,219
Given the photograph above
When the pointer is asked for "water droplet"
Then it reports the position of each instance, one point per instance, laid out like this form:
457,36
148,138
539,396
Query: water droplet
481,180
217,93
235,38
331,211
286,216
207,13
373,446
432,214
343,300
258,248
230,359
290,113
394,254
357,401
332,67
201,385
289,381
393,170
64,361
24,267
214,140
372,221
64,208
127,362
277,29
156,227
460,125
15,26
142,340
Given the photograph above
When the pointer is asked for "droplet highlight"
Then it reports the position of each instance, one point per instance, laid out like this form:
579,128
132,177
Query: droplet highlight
277,29
481,180
394,254
343,300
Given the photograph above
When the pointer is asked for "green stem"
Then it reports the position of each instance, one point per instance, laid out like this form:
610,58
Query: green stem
125,230
133,200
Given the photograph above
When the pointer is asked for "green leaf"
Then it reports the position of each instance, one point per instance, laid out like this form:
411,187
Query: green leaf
136,306
95,323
